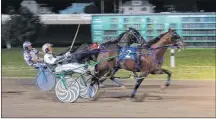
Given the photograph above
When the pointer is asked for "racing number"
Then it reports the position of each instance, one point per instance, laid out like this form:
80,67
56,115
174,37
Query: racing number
128,55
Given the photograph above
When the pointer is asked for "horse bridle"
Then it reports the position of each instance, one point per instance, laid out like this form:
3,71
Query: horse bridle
177,39
138,38
123,37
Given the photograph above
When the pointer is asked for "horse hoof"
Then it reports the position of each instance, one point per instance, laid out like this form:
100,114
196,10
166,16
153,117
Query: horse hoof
163,87
122,87
134,99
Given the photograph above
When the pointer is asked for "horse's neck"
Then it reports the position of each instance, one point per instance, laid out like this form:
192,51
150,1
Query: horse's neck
159,53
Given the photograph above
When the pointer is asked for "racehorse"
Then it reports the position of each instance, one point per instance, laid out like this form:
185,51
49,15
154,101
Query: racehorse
112,47
149,64
125,41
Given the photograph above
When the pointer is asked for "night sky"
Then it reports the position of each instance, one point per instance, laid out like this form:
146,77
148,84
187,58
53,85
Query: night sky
182,5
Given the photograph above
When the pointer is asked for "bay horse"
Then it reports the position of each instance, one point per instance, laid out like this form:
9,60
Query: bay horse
149,64
112,48
125,39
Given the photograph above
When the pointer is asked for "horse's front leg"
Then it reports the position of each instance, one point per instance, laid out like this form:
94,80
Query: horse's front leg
142,76
164,71
167,83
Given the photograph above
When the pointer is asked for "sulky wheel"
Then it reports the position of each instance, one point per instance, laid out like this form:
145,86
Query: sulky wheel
67,89
45,80
86,91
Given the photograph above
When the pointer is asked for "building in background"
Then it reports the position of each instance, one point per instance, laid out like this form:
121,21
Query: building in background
36,8
75,8
170,8
136,7
43,9
112,6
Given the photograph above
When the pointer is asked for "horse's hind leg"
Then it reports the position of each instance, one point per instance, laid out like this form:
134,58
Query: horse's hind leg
115,79
89,91
94,80
103,78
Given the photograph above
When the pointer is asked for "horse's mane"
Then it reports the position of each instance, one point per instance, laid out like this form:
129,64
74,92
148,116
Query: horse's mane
155,40
107,43
141,40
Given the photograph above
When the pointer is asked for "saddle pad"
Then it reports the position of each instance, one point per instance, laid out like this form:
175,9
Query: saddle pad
128,53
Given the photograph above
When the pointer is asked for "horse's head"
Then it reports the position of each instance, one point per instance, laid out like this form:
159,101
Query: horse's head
131,36
174,39
137,38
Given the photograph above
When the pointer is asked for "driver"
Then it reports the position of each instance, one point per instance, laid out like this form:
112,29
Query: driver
94,50
51,59
31,54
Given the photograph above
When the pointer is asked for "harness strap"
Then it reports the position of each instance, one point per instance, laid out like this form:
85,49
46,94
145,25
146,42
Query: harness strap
138,60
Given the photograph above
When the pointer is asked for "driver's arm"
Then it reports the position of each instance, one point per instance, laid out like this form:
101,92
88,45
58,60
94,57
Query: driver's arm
41,53
50,59
38,52
36,60
59,58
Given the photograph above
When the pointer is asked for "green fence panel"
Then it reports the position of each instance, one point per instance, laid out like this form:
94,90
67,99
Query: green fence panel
195,28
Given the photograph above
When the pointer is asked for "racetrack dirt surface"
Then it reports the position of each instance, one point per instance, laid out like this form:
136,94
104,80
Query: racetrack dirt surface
21,98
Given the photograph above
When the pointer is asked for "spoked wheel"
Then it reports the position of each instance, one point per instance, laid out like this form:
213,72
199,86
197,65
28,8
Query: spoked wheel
45,80
87,91
67,90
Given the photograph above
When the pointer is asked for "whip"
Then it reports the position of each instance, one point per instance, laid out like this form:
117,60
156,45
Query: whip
75,37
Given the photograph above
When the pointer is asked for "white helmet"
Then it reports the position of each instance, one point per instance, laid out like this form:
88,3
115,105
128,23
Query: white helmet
45,47
26,44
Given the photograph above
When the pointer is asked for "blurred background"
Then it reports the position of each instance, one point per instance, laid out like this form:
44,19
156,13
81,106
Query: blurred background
56,22
59,20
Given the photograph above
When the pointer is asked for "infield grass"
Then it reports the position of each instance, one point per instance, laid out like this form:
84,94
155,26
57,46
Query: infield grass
190,64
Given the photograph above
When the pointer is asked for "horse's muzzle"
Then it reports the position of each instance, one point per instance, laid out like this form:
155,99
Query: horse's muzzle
180,45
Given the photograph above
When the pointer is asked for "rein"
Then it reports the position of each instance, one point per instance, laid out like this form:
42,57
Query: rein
154,53
165,46
116,50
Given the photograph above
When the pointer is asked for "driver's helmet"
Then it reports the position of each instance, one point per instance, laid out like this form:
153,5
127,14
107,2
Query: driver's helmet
45,47
26,44
94,46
